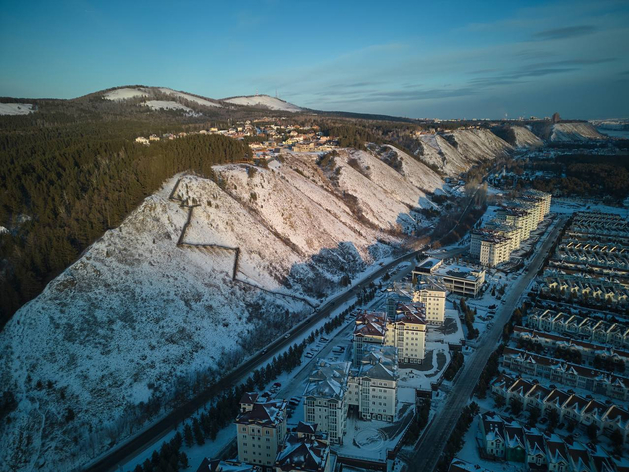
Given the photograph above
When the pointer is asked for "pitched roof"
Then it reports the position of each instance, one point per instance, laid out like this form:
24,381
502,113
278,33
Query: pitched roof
302,453
264,414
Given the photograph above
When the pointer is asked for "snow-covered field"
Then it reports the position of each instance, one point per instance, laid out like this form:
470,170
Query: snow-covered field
124,93
15,108
191,98
264,101
166,105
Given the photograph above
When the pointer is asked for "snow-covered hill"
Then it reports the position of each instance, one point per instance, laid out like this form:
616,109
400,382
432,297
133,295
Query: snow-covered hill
524,138
15,108
191,98
125,92
562,132
138,314
457,151
166,105
264,101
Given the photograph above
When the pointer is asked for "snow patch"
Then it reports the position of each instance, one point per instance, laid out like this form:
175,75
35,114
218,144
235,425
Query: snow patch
16,108
124,93
264,101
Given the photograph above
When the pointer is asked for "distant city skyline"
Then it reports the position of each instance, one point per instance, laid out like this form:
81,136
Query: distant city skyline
450,59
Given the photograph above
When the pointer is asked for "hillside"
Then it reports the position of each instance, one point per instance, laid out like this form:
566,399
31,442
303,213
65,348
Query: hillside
456,152
138,315
565,132
264,101
524,138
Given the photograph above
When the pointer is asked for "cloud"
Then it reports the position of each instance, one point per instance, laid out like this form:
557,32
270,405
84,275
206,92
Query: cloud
564,33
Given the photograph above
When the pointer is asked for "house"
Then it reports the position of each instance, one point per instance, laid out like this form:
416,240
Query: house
515,445
492,434
616,419
579,458
536,457
557,455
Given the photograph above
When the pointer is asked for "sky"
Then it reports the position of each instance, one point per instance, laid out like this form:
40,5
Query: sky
437,59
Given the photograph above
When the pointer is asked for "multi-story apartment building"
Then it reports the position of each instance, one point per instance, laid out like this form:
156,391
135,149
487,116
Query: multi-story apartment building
325,400
304,450
460,280
494,250
433,296
407,332
519,217
260,428
372,387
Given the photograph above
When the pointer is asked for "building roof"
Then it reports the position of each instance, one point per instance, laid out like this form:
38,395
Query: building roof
371,324
302,453
268,414
217,465
328,380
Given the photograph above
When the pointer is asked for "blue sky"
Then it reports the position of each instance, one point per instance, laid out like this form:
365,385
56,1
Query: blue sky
444,59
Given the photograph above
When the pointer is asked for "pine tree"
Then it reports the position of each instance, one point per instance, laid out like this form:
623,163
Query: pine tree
187,435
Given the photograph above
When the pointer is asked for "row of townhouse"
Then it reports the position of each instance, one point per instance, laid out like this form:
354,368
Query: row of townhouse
603,224
591,289
589,351
585,328
506,439
568,406
593,246
264,442
615,262
369,389
513,224
406,331
565,373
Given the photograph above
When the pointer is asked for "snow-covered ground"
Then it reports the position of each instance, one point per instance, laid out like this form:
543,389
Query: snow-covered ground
124,93
166,105
264,101
524,138
562,132
191,98
15,108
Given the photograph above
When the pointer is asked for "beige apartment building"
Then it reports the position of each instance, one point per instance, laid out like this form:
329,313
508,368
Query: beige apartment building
433,296
260,429
494,250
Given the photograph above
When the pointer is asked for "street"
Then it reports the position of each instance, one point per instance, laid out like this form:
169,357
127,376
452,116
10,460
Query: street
433,441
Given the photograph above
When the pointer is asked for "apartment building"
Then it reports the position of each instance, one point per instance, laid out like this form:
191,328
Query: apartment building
325,400
460,280
372,387
519,217
406,331
260,428
304,450
494,250
433,297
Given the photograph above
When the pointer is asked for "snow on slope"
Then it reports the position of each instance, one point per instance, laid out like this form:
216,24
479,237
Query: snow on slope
134,314
166,105
472,146
264,101
124,93
524,138
16,108
136,311
191,98
418,173
563,132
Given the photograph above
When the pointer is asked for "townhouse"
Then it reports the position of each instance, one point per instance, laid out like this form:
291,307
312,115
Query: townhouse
569,407
565,373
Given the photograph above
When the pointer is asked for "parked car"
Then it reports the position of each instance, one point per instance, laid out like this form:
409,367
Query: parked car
309,355
277,385
286,336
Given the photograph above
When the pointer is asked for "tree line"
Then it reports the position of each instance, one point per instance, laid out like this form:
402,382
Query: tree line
64,186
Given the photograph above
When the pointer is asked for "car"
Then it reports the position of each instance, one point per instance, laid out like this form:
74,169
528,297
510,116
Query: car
265,350
277,385
309,355
543,420
324,339
286,336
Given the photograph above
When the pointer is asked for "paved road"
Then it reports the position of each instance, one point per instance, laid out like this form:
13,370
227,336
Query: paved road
125,452
431,445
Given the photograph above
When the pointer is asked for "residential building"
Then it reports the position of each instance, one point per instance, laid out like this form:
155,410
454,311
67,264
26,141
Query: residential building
261,427
460,280
494,250
325,400
372,388
433,296
216,465
304,450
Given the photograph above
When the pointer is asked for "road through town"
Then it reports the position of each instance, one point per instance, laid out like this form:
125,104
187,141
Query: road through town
433,441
